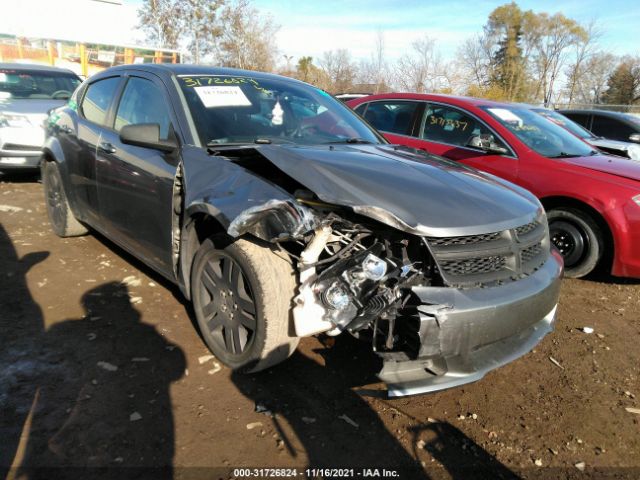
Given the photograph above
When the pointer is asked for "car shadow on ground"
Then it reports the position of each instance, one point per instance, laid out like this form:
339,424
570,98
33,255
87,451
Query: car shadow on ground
20,177
334,426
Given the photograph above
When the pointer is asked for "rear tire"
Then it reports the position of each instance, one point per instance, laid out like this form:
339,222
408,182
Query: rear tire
578,238
63,222
242,297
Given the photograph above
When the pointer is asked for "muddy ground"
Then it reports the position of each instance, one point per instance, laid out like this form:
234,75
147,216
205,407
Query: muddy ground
100,373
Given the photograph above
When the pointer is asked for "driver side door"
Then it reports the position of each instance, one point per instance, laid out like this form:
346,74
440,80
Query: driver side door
446,130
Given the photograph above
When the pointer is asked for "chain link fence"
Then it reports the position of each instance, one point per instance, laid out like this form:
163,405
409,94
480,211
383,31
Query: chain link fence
634,109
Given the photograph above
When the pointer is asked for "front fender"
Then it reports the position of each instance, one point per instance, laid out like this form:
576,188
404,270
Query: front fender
52,150
241,201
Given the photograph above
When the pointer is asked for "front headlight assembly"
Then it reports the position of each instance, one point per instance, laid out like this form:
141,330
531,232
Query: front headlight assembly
14,120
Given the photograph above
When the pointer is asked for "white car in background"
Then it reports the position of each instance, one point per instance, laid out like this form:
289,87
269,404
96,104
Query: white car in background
27,94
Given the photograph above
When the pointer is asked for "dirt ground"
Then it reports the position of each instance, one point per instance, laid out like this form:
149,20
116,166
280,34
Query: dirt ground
102,367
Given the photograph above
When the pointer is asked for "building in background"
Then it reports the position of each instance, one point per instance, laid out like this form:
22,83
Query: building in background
85,36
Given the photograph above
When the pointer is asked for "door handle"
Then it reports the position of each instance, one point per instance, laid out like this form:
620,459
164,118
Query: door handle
106,147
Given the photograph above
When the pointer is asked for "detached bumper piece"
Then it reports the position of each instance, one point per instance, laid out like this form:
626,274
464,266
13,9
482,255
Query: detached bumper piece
464,334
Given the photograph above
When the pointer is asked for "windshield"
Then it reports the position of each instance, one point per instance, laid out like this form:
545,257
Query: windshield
563,121
237,109
32,84
541,135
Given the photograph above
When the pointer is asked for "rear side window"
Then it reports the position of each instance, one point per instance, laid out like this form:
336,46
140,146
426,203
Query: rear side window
451,126
360,109
98,98
581,118
611,128
391,116
143,102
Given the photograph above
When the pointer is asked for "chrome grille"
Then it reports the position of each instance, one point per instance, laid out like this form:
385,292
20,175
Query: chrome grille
473,266
465,240
531,252
470,260
524,229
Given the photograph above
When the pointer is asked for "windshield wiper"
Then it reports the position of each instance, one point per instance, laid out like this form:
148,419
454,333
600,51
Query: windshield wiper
258,141
565,155
352,140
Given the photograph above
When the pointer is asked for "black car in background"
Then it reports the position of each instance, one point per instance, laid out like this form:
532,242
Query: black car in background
281,214
607,145
27,94
614,125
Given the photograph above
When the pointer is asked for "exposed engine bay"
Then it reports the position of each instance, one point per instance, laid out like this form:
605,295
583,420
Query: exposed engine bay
428,300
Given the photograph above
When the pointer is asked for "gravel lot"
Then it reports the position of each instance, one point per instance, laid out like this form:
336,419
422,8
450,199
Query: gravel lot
102,367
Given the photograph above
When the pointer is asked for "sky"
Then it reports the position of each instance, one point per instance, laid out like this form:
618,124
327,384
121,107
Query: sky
314,26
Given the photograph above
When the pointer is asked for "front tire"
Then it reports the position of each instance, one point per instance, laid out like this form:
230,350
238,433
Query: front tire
63,222
242,297
578,238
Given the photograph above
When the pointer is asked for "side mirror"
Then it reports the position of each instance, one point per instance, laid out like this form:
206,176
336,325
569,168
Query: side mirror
486,142
146,135
635,137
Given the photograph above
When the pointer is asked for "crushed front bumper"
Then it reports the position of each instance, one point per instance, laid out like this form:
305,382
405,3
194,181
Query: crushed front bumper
465,334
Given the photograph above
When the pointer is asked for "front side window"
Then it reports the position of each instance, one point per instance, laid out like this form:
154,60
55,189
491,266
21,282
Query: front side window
98,98
565,122
580,118
237,109
143,102
34,85
452,126
541,135
611,128
393,116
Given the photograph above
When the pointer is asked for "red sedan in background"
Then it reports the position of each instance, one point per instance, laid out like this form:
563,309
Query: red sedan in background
592,200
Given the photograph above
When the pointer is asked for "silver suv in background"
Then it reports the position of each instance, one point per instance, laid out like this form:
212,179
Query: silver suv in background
27,94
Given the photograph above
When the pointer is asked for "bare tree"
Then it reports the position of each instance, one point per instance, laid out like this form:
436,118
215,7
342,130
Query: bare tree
558,35
474,60
584,50
200,22
160,20
421,70
592,81
248,38
340,69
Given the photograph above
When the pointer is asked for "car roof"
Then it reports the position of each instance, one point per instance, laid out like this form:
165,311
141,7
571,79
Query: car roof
439,97
34,68
178,69
605,113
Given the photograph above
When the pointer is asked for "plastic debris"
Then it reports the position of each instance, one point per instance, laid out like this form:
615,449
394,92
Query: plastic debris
205,359
538,462
10,209
136,300
260,408
308,420
107,366
586,329
633,410
251,426
216,368
348,420
91,336
580,466
135,416
132,281
556,362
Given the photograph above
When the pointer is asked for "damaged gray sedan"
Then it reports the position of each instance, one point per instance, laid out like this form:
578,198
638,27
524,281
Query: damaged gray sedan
280,214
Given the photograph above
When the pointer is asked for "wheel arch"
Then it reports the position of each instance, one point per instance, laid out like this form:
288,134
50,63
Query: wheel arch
553,202
198,225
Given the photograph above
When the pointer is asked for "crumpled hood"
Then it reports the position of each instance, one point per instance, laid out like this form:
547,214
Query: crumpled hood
622,167
423,194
